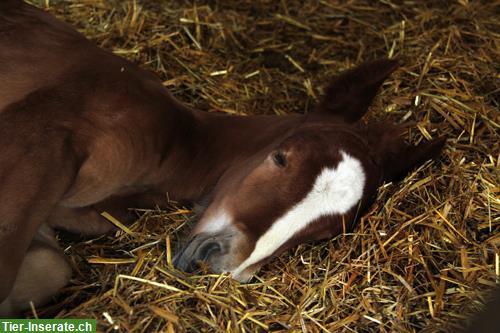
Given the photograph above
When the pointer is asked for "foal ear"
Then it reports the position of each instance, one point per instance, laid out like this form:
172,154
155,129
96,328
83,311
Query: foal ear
350,94
398,164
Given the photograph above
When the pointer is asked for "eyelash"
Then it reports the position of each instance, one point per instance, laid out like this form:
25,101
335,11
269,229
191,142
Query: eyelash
279,159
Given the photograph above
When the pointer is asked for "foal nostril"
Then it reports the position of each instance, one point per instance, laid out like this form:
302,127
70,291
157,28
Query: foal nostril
207,249
195,251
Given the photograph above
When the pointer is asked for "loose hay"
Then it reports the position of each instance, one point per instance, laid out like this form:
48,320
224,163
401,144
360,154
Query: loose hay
418,261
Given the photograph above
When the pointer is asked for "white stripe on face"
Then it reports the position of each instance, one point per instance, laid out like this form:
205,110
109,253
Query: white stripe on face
215,224
335,191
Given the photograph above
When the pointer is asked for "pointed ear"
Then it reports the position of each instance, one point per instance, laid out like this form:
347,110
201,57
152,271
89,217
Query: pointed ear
398,164
350,94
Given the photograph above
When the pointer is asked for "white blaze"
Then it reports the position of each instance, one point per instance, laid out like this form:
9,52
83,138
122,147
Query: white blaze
217,223
335,191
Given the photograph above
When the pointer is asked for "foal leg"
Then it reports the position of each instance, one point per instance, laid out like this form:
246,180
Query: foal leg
84,221
87,221
42,273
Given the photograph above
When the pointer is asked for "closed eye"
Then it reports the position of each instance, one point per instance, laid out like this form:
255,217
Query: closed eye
279,159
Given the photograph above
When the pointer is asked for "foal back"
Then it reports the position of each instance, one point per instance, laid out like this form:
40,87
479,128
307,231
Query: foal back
36,50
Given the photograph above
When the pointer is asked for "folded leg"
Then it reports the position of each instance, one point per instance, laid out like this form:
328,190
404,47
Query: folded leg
42,273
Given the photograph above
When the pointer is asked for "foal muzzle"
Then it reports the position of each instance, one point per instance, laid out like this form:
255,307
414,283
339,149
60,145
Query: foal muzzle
211,249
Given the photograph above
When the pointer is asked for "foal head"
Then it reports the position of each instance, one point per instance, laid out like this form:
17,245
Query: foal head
310,184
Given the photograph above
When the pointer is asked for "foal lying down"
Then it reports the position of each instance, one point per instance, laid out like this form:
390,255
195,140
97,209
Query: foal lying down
83,131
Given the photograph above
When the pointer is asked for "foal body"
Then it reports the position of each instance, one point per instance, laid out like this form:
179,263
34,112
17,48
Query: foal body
83,131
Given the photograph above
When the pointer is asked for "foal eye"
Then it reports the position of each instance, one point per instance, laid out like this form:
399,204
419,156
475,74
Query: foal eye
279,159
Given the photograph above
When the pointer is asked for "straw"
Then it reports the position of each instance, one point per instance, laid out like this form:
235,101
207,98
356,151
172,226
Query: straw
427,252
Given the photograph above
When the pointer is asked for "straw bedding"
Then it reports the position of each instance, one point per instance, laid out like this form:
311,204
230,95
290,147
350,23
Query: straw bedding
421,259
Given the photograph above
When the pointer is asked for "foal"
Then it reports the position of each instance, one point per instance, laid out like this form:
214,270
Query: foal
83,131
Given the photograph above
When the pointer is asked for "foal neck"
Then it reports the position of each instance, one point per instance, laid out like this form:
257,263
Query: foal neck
205,145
